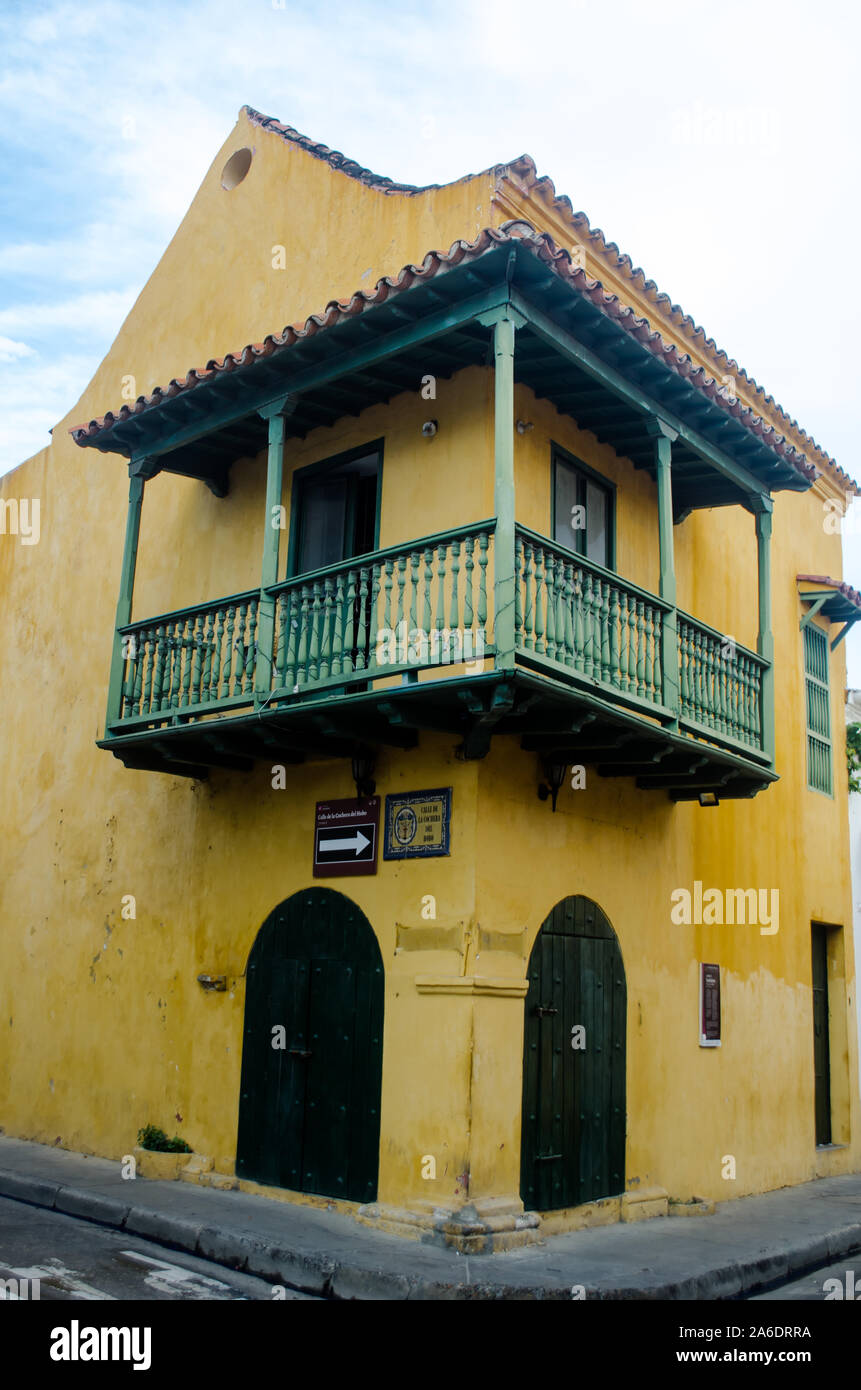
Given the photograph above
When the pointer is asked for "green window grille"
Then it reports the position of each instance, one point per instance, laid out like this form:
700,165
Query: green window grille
818,710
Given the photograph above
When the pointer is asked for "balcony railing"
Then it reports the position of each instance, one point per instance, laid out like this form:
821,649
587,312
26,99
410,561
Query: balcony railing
395,612
584,621
584,624
428,605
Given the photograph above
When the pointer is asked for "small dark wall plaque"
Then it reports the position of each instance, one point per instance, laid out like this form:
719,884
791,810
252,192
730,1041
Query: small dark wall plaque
710,1006
345,837
418,824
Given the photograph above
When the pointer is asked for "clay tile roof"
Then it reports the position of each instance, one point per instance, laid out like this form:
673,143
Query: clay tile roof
525,171
436,263
845,590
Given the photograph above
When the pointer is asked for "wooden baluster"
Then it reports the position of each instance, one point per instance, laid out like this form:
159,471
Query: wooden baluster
400,623
175,678
184,650
723,688
606,670
362,634
649,650
251,651
289,676
305,635
211,677
623,639
614,637
714,672
562,609
657,637
200,687
454,604
349,627
374,630
579,629
540,581
440,600
707,699
134,680
550,593
338,629
197,630
632,644
415,580
238,659
589,665
528,618
483,543
157,672
280,663
146,696
227,655
567,613
326,628
518,589
468,598
597,602
314,644
427,617
641,652
740,719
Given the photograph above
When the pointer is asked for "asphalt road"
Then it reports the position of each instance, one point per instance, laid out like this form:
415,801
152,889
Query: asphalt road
813,1288
78,1261
75,1260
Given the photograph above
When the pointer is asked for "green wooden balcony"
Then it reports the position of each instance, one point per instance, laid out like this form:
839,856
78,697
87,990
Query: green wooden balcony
373,650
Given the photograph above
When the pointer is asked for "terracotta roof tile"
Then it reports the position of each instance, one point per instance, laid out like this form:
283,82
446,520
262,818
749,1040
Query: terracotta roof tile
438,262
524,168
842,588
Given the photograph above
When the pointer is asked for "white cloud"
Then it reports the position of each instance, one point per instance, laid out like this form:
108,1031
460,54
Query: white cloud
11,351
99,313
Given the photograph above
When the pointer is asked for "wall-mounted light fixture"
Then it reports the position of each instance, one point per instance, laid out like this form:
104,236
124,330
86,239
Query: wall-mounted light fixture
555,774
363,773
709,799
429,428
523,425
210,982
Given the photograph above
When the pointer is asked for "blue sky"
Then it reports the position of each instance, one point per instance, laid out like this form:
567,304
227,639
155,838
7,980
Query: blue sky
716,147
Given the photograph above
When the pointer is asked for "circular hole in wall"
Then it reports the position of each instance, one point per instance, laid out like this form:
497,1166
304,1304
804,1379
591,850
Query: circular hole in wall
235,169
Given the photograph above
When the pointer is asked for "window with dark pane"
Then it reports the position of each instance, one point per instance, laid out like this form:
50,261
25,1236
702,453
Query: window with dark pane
582,510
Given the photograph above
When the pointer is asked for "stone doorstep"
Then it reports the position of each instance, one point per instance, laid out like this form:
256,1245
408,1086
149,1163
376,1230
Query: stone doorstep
644,1203
483,1227
697,1206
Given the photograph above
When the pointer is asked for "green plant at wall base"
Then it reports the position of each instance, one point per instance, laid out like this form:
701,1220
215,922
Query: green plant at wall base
155,1139
853,756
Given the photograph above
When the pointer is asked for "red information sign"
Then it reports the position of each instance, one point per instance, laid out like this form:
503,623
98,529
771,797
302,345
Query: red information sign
345,837
710,1006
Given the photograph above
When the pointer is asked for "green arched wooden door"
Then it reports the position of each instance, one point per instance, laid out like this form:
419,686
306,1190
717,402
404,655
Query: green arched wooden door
309,1110
573,1128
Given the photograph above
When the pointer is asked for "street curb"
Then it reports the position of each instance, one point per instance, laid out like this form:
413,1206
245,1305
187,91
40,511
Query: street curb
320,1275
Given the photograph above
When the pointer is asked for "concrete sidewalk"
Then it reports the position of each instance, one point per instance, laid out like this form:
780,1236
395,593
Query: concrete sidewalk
746,1245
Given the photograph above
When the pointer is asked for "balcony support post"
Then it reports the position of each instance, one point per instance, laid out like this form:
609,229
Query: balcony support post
275,413
504,322
765,637
139,472
665,437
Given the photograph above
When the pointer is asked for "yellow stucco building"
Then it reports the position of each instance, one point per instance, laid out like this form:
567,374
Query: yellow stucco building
473,850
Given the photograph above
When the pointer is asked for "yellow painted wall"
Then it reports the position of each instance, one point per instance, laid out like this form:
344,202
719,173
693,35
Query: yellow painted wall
103,1026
